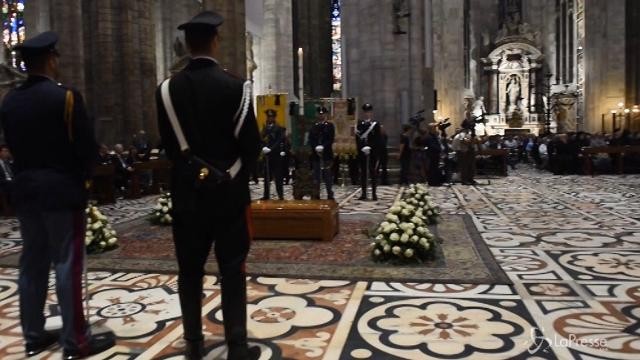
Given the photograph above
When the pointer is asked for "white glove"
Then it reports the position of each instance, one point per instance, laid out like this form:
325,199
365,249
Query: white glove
319,149
283,154
366,150
266,150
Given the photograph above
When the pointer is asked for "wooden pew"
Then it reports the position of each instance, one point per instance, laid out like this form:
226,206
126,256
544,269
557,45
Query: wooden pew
160,177
615,152
103,184
499,153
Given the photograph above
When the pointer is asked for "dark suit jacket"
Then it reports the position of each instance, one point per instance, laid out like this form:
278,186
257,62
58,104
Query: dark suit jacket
50,165
206,100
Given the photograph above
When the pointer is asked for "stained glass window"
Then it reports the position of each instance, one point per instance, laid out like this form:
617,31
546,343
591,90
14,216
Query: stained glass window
336,44
13,30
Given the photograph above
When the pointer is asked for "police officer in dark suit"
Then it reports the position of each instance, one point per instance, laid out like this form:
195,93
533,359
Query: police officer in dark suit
321,138
210,208
51,166
368,141
274,140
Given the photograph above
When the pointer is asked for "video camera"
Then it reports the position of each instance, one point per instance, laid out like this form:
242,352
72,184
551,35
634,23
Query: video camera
443,125
416,119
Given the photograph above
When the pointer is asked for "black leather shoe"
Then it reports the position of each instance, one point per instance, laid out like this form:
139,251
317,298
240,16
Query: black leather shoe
194,350
97,344
374,198
243,353
36,347
362,198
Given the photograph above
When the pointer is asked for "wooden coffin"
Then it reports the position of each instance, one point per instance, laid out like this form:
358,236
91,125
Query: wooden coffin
295,220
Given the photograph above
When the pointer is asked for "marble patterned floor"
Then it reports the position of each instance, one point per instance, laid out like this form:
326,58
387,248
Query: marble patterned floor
570,245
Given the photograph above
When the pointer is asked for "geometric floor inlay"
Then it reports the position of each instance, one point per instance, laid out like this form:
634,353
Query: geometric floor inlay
569,244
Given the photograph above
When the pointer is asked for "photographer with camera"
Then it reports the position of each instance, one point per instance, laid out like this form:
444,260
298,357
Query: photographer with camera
464,146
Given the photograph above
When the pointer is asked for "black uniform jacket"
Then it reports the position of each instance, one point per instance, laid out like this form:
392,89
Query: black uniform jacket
274,137
322,133
373,139
52,158
206,100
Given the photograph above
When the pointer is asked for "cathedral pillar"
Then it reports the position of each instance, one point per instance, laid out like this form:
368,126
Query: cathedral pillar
312,33
233,56
275,66
448,25
121,68
65,18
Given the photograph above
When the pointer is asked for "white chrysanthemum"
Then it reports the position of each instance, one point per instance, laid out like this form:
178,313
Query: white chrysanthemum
423,241
112,241
386,249
102,244
429,212
397,250
379,237
394,237
95,226
414,239
395,209
404,238
377,252
408,253
409,232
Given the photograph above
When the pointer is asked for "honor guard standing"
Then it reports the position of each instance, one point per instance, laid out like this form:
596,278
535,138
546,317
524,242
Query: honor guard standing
275,152
368,141
210,134
52,166
321,139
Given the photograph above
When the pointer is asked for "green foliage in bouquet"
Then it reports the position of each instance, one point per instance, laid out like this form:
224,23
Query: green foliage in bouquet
404,238
100,236
161,214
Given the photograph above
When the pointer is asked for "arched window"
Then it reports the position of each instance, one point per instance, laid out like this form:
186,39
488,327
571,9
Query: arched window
13,30
336,44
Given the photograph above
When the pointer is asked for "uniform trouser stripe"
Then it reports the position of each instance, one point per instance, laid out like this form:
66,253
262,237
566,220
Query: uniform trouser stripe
79,322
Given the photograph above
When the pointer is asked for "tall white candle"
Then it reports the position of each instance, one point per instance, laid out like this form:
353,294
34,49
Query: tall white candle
301,79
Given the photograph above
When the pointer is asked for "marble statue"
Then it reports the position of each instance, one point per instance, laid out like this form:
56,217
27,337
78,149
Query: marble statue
252,66
514,90
478,108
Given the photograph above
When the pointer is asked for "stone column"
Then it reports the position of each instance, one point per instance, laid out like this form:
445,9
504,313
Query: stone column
448,24
312,32
121,68
427,73
604,53
233,56
65,18
275,65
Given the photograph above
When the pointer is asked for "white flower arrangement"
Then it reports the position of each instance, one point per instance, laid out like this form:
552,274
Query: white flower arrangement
403,236
161,214
99,236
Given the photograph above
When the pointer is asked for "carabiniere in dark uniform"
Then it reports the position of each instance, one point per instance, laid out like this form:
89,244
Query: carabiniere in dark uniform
321,138
369,143
53,143
274,141
211,201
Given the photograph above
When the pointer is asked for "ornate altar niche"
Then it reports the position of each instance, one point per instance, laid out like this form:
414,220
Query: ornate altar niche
513,70
514,76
